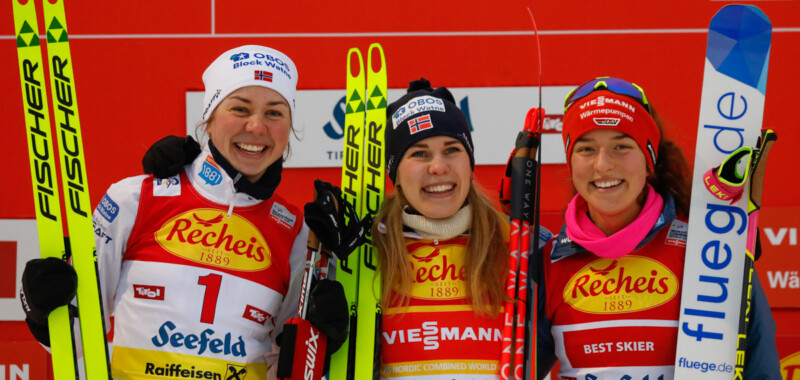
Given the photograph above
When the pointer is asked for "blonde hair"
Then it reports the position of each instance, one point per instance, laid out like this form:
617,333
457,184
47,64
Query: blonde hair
486,262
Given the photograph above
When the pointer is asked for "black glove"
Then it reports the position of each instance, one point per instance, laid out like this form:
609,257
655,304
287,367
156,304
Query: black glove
327,311
166,157
325,216
46,285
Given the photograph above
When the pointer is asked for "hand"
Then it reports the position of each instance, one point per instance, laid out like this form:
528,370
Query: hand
325,216
328,312
46,285
166,157
523,156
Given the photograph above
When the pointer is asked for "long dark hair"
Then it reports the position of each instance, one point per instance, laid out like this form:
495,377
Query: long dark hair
672,174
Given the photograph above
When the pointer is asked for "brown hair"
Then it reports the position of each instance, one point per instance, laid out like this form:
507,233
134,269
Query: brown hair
486,263
672,174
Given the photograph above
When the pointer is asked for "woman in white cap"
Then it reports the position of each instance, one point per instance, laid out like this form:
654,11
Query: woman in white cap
442,247
609,294
202,269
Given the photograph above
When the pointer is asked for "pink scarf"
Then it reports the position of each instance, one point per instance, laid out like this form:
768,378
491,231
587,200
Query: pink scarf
583,231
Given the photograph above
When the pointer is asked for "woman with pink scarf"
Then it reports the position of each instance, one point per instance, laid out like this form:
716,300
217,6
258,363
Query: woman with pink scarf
609,289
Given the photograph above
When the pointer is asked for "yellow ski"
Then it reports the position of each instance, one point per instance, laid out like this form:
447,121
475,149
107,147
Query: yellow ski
73,173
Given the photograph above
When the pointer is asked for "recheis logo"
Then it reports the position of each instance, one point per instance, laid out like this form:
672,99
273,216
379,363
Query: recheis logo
206,236
438,270
790,366
628,284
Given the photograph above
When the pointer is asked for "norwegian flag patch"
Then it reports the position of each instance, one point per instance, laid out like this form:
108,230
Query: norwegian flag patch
420,124
263,75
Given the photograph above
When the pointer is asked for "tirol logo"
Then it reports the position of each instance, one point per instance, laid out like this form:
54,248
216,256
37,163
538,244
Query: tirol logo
438,271
206,236
628,284
210,172
148,292
256,315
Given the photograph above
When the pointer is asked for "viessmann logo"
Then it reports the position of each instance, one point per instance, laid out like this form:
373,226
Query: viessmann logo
438,272
624,285
207,236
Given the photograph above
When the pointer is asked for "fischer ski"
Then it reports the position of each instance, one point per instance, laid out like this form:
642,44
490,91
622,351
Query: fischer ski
731,112
363,184
80,243
368,327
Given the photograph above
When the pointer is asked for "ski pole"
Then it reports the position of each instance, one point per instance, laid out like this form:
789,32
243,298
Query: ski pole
523,167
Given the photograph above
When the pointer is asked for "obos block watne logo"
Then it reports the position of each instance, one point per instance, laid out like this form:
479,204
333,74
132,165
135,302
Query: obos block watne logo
206,236
627,284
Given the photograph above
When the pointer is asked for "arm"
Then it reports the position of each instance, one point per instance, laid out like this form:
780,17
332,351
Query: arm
761,360
113,221
291,299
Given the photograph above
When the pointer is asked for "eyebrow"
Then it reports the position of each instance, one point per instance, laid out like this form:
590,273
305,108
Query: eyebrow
424,145
621,136
246,100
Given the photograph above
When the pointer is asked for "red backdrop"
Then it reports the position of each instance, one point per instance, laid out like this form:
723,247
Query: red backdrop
134,62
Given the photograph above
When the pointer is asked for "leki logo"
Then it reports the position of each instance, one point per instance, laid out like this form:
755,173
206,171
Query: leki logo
206,236
438,270
624,285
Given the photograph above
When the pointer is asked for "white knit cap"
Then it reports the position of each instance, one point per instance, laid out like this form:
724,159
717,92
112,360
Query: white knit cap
249,65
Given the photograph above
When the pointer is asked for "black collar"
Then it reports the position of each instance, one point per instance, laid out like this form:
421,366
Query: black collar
261,189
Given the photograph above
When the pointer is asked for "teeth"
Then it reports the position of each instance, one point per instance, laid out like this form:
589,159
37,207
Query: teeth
251,147
607,184
439,188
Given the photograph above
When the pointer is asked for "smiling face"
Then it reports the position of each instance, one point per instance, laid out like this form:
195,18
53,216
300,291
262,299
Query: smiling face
250,128
609,171
435,175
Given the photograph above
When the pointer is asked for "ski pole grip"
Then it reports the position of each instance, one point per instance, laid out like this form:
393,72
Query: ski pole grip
302,353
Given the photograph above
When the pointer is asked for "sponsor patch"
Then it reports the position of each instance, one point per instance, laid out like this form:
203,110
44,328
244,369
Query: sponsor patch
256,315
425,103
420,124
606,121
150,292
167,187
678,231
108,208
627,284
438,270
205,236
282,215
263,75
210,172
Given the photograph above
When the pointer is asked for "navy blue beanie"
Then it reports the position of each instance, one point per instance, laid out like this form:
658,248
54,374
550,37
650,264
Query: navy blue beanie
421,113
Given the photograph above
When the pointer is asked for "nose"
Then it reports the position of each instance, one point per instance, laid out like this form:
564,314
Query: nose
604,161
438,165
256,125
